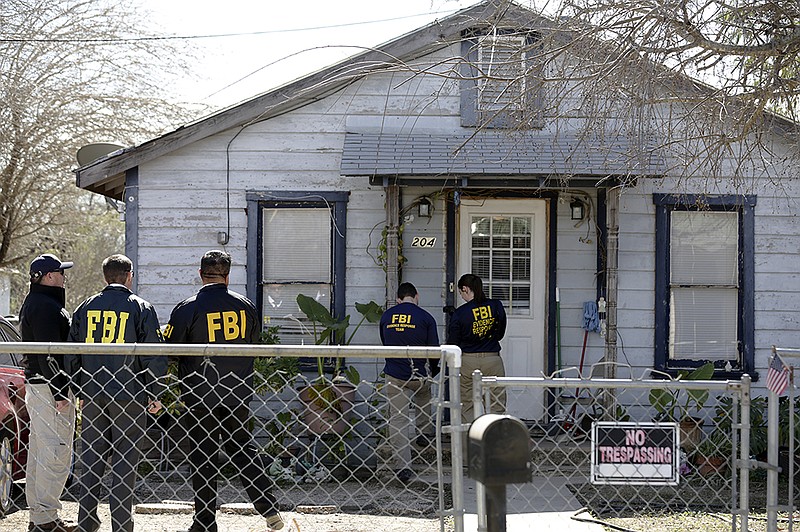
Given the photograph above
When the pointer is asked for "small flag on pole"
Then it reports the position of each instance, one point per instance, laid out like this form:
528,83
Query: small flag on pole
777,375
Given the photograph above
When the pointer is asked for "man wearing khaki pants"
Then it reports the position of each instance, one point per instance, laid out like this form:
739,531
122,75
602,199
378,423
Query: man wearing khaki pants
50,404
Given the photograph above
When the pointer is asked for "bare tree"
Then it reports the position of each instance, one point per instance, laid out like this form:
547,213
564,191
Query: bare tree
698,82
72,72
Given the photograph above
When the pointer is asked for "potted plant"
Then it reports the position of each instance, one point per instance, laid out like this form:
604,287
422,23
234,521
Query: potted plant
712,453
669,406
329,400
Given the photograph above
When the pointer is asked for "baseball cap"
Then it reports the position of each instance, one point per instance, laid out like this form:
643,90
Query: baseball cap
48,263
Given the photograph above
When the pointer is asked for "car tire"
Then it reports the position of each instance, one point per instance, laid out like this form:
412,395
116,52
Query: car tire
6,472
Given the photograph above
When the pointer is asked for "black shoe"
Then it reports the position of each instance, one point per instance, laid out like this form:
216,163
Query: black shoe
405,475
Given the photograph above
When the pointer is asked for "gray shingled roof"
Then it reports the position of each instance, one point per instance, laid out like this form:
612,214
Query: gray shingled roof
487,153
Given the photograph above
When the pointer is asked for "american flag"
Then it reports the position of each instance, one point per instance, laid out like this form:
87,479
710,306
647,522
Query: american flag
777,375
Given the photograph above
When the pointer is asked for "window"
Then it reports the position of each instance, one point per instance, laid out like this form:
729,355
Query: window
704,282
500,248
299,238
501,81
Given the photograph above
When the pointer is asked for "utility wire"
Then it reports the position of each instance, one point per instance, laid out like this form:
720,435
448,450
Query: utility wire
215,36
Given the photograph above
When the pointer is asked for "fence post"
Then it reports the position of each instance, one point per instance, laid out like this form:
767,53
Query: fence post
453,354
772,460
744,454
478,410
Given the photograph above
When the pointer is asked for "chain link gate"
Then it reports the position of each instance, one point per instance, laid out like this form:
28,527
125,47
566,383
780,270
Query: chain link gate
711,420
337,459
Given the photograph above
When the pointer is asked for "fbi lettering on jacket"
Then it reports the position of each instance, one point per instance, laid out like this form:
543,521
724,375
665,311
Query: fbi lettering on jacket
230,324
483,320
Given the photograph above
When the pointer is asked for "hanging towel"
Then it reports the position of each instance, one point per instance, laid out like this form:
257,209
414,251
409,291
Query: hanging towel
591,320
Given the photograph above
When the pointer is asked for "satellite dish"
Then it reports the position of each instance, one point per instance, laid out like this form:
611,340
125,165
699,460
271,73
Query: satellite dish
92,152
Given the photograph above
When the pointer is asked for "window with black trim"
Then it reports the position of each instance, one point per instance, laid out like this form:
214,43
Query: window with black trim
300,243
704,282
501,80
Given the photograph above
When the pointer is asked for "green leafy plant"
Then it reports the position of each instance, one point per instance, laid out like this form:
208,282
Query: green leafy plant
784,420
328,329
273,373
723,422
667,402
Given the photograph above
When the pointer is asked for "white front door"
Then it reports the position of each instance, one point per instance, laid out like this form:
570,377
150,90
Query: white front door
504,242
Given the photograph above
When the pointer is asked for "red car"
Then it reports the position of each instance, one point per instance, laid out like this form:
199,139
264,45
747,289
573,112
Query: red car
14,419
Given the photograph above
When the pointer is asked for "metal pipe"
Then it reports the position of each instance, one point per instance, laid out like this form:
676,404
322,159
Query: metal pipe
453,356
612,383
744,455
478,410
772,460
229,350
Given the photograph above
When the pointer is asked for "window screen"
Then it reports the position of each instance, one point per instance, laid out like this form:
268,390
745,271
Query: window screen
296,260
704,285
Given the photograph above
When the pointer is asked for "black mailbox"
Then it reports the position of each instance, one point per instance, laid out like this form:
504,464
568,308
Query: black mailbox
499,450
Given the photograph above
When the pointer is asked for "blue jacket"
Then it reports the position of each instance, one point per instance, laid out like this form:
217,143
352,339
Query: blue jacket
478,327
407,324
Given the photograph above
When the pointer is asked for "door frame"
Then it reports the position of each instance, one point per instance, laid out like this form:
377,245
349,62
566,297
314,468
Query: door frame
551,238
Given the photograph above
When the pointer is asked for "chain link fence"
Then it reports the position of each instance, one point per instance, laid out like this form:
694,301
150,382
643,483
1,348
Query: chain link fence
632,447
616,447
319,444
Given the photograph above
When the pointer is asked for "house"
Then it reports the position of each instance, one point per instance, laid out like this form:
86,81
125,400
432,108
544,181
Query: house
449,150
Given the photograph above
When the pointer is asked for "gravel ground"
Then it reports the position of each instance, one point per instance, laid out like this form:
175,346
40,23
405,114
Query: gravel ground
381,506
338,522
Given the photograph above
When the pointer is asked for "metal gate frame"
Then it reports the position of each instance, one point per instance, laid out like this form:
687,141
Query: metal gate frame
740,469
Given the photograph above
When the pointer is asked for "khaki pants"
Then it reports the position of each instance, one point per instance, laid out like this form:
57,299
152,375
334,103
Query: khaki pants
400,394
489,364
49,452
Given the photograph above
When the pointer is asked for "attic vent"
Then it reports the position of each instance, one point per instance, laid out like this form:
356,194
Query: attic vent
501,61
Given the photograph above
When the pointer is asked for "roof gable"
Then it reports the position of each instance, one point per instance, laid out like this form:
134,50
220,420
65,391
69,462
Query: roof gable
107,175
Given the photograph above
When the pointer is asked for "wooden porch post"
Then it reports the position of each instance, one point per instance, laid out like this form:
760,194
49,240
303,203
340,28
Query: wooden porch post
392,245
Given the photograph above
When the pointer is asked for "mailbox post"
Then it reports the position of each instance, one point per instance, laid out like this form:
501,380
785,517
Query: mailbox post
498,453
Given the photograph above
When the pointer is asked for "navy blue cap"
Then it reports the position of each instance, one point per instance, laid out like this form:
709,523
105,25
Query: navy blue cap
48,263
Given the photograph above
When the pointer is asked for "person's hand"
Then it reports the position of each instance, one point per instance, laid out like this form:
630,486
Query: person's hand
154,406
62,405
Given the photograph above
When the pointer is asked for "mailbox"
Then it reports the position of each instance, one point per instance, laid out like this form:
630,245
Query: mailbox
499,450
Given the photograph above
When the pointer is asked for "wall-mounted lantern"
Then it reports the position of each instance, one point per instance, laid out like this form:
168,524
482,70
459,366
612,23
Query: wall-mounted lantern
424,208
576,209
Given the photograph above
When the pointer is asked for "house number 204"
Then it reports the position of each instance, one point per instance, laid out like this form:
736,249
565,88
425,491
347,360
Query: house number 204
423,242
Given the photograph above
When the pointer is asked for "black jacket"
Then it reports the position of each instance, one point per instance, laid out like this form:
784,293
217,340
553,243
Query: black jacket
43,318
215,315
116,315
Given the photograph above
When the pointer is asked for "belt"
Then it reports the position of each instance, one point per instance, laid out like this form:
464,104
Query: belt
481,354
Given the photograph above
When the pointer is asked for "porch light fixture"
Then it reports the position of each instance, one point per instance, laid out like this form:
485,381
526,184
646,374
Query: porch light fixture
576,209
424,208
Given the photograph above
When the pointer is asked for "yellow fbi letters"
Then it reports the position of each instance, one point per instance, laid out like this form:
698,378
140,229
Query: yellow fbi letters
230,324
221,326
483,321
401,322
110,324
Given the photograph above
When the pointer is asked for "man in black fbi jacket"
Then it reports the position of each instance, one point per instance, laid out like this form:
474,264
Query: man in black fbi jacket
114,390
217,391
